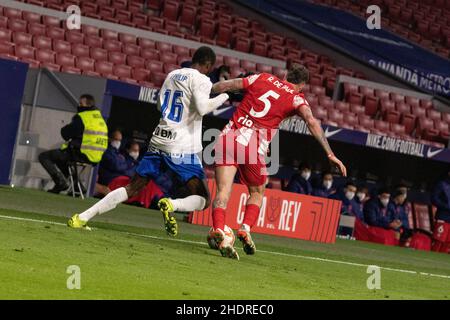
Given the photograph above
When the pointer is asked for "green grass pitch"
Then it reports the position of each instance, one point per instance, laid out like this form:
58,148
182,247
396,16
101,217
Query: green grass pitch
128,256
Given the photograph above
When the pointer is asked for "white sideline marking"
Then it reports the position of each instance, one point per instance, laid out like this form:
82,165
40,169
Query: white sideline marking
264,251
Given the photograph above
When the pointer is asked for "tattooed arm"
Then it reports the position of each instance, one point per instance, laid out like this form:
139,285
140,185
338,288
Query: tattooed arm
315,128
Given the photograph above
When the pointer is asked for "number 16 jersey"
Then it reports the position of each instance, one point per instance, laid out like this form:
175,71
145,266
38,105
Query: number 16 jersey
180,128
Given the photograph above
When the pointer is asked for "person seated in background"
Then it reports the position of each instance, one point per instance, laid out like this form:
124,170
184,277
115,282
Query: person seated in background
220,74
349,205
300,182
397,212
86,141
132,151
113,164
362,196
326,188
440,198
376,212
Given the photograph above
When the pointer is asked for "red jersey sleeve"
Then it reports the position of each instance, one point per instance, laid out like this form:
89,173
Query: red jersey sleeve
248,81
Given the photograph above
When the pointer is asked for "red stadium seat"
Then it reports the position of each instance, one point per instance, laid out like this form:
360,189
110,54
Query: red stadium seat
381,125
131,49
381,94
342,106
231,61
21,38
260,48
169,58
170,10
412,101
45,56
188,15
157,78
24,52
355,97
427,104
351,119
155,66
89,30
402,107
150,54
50,21
108,34
366,122
136,62
392,116
357,109
263,68
17,25
320,113
422,125
117,58
112,45
434,114
104,67
317,90
12,13
141,74
248,65
242,44
180,50
164,47
56,33
167,67
61,46
37,29
224,32
75,37
335,115
396,97
371,105
85,63
106,11
6,47
367,91
65,60
409,121
146,43
5,35
122,71
93,41
98,54
398,129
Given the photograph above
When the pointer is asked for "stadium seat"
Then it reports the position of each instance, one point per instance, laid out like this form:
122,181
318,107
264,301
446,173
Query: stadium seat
37,29
98,54
141,74
422,216
409,121
93,41
112,45
242,44
169,58
224,33
422,125
17,25
6,47
433,114
104,67
342,106
371,105
45,56
85,63
398,129
357,109
117,58
157,78
122,71
21,38
24,52
170,10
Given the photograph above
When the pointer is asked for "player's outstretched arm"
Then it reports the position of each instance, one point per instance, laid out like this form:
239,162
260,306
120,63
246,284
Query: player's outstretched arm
202,101
228,85
316,130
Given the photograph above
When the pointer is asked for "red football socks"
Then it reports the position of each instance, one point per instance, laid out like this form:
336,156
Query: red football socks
251,214
218,216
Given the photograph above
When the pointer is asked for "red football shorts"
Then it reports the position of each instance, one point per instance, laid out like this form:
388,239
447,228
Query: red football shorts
232,149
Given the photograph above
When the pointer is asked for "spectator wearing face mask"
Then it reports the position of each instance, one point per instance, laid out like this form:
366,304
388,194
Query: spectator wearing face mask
349,205
113,163
362,196
376,212
397,212
132,157
300,182
326,188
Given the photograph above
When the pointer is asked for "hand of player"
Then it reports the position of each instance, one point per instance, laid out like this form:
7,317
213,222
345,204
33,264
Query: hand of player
338,163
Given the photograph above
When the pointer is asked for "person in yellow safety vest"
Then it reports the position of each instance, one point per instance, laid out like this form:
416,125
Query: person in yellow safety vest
86,139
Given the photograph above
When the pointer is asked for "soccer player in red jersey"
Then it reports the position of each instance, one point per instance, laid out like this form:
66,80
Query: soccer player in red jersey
244,141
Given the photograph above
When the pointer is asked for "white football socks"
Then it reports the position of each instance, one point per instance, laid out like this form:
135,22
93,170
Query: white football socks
188,204
109,202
